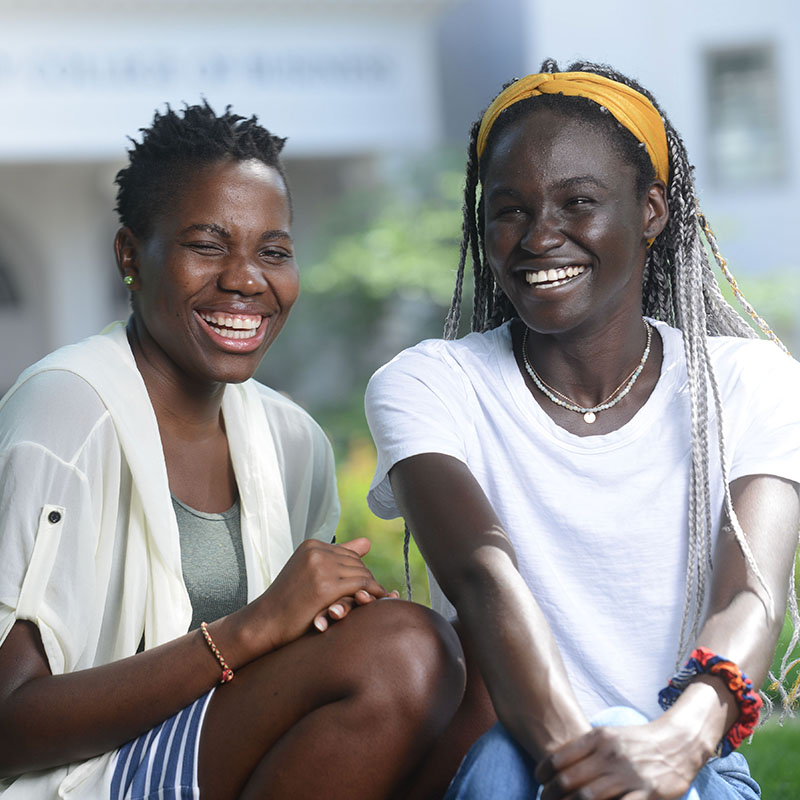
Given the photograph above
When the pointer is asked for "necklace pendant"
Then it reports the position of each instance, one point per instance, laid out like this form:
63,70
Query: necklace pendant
589,417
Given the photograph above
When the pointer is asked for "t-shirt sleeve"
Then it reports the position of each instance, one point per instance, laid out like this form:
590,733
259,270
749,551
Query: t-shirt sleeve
415,404
766,426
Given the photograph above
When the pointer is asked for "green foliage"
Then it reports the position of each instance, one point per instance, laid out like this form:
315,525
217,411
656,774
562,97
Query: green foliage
775,295
772,755
792,681
402,236
385,559
772,752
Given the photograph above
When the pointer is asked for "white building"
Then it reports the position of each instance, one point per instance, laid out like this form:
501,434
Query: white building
345,81
350,81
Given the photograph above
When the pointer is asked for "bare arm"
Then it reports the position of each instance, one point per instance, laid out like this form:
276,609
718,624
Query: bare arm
46,720
473,560
742,624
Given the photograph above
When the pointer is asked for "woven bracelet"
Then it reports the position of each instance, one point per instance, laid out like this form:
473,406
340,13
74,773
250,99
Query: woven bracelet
227,672
703,661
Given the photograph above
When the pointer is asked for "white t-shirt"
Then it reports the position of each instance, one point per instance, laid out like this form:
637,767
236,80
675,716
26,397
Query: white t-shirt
599,523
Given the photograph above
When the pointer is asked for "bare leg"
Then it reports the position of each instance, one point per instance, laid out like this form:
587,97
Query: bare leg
474,717
348,713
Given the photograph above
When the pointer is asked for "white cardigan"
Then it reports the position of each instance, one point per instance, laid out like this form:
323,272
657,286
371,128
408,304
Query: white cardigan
89,542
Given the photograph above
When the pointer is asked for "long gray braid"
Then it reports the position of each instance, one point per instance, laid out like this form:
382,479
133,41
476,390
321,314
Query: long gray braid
680,288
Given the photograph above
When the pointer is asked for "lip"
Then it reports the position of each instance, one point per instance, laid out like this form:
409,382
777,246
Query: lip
243,323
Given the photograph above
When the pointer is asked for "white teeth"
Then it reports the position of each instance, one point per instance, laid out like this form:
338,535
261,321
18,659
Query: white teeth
238,327
554,277
229,333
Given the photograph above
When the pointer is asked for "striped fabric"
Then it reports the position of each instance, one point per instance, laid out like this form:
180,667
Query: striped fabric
162,763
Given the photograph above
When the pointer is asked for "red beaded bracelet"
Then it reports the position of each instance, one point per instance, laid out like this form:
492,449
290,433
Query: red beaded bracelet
227,672
704,661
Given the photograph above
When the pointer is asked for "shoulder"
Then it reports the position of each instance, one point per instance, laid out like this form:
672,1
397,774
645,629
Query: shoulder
757,355
472,347
305,459
67,383
738,360
55,408
434,361
289,422
760,380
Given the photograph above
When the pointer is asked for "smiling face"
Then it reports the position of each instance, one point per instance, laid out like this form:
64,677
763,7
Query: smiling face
565,229
216,277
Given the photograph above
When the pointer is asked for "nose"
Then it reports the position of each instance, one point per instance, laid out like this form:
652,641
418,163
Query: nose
543,234
242,276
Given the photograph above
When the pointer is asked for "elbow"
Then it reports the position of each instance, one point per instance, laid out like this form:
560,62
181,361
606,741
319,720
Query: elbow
480,579
20,749
769,606
11,750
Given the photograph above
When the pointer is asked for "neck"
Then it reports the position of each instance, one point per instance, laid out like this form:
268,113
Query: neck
587,366
184,408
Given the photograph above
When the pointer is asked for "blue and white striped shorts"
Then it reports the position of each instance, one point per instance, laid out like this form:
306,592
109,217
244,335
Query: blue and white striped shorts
162,763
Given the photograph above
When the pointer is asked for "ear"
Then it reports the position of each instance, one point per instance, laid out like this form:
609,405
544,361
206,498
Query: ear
656,211
126,250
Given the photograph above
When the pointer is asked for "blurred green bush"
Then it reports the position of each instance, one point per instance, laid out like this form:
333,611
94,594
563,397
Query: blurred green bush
385,559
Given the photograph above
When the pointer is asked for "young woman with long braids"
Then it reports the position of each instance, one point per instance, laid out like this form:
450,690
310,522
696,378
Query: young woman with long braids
603,476
151,497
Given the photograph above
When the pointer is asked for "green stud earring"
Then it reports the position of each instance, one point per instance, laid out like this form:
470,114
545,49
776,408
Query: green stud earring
128,280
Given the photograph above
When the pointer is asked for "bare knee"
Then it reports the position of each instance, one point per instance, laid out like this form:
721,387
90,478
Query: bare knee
411,661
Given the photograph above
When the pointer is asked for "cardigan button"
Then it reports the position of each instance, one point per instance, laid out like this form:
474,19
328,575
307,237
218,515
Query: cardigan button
54,516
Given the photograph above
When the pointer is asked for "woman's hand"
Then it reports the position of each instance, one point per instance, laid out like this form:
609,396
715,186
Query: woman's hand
639,762
320,583
342,607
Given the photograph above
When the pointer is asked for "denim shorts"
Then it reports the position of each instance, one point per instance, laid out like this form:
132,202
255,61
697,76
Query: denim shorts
497,767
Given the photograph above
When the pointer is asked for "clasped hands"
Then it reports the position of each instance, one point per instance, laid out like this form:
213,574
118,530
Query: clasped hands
362,597
639,762
319,585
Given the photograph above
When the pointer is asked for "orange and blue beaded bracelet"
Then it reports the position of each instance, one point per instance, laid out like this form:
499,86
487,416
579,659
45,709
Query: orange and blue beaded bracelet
703,661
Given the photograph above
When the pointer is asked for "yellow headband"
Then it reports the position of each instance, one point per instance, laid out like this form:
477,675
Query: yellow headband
629,108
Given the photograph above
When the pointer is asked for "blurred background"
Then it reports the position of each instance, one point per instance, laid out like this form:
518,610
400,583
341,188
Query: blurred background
376,98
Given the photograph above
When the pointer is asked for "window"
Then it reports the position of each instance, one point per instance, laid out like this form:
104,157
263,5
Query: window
744,123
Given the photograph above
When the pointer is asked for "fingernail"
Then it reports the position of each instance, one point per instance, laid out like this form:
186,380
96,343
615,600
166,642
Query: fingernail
337,609
321,624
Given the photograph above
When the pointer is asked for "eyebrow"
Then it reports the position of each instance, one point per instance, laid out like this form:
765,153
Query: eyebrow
218,230
208,227
276,234
567,184
579,180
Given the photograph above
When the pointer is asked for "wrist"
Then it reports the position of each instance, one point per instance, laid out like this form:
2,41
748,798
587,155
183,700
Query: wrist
701,716
730,701
227,671
237,636
544,733
262,626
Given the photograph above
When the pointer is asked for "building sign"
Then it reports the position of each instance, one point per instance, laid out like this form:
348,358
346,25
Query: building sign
76,89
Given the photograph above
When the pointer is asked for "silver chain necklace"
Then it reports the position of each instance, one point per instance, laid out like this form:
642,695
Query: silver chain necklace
589,414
